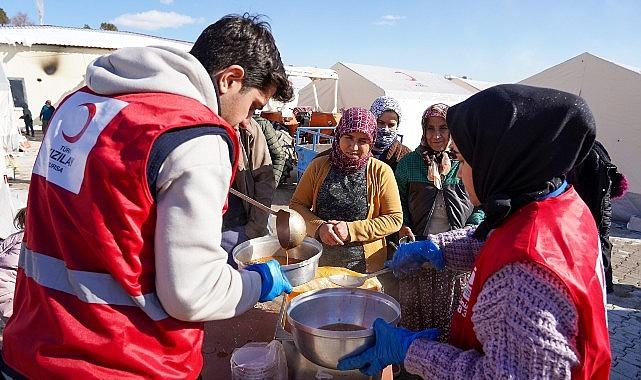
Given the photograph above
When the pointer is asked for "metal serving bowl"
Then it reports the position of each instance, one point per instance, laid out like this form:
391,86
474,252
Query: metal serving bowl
308,312
267,246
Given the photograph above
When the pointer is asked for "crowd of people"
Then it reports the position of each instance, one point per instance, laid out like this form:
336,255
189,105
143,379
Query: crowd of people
501,268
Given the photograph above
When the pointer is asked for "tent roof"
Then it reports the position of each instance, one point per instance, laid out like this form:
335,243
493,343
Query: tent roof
477,84
579,59
93,38
631,68
310,72
401,80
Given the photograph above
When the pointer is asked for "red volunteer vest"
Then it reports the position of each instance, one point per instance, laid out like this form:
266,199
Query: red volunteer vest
559,234
85,302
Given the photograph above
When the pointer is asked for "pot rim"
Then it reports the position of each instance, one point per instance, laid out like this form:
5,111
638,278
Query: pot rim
268,239
339,292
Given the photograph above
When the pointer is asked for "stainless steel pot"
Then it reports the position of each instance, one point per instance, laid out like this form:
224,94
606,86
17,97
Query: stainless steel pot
310,313
268,246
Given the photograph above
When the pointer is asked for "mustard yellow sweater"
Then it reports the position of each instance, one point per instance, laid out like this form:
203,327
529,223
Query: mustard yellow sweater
384,216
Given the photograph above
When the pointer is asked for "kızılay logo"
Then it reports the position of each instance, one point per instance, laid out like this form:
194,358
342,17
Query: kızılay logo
92,112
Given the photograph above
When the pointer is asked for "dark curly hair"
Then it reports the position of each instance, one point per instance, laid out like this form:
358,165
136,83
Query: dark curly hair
19,219
246,41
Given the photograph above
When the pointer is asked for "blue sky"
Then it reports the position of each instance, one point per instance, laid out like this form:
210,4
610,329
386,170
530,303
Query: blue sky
499,41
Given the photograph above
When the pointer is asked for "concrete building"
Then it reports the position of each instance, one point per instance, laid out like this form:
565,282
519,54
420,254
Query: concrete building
47,62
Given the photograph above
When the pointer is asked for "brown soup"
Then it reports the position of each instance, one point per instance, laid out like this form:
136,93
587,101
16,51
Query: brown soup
342,327
282,260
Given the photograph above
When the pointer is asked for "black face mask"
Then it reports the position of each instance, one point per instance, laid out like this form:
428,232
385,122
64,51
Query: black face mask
520,142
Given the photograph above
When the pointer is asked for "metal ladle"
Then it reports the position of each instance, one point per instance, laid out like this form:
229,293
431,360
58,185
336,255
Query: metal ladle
290,225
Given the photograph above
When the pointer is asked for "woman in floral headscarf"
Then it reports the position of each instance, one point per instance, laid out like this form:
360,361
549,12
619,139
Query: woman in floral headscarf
349,199
434,200
387,147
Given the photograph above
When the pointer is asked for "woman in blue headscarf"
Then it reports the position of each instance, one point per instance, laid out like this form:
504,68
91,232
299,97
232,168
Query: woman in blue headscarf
387,147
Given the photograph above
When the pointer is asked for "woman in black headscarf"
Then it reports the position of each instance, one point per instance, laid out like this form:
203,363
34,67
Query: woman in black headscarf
534,306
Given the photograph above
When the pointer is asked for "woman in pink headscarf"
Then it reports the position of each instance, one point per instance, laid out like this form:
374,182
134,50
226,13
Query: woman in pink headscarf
349,199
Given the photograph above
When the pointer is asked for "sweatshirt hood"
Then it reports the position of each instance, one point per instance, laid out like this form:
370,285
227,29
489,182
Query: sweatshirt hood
152,69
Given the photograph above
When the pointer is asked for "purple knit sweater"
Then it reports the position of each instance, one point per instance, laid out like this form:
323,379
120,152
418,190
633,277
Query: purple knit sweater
527,324
428,297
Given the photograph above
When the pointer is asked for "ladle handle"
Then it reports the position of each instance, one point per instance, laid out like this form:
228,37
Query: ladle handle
379,272
252,201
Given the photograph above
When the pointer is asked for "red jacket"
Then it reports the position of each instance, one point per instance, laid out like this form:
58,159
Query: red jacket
560,235
85,301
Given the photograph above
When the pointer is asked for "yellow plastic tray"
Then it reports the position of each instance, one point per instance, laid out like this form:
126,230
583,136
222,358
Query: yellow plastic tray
321,281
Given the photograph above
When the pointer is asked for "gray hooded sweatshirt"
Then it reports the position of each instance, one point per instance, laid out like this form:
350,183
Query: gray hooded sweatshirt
193,280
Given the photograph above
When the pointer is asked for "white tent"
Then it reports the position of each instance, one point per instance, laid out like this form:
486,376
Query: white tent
613,92
359,85
10,137
300,76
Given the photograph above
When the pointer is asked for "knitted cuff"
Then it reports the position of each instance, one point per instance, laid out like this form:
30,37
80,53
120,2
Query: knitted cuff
459,247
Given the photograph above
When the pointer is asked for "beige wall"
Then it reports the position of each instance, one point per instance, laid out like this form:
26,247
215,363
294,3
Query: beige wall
49,72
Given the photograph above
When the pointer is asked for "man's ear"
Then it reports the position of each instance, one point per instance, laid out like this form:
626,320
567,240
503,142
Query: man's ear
230,77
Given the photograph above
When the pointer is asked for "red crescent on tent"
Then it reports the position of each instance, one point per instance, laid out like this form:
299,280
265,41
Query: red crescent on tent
412,79
92,112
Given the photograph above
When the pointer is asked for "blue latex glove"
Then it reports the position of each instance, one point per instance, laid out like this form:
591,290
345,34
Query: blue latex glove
391,347
273,281
410,256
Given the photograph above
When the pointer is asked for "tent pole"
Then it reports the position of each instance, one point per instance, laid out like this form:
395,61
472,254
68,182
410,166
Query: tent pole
315,95
335,96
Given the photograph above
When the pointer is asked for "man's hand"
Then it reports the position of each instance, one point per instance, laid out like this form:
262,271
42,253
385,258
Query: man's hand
328,235
273,281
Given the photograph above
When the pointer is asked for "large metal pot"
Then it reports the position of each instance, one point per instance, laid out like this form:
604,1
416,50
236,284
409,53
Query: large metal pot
310,313
308,252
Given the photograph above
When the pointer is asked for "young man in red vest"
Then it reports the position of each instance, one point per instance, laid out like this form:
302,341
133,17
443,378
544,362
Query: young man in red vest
534,306
131,182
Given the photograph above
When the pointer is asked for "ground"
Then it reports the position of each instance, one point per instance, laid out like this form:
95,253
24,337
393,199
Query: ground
624,305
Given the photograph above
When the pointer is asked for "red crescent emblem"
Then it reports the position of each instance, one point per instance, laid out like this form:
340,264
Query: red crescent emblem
92,112
412,79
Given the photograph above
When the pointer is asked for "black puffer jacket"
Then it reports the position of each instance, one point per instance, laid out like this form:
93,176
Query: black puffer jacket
418,195
594,180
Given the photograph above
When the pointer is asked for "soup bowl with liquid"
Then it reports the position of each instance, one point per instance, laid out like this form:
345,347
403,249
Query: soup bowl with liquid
329,324
298,264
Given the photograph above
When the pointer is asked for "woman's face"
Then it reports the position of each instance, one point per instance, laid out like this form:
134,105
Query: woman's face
465,174
355,144
436,133
387,120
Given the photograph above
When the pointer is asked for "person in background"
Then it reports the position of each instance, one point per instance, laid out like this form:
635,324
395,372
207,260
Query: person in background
28,121
387,146
121,261
45,115
349,199
275,147
534,306
434,200
9,255
598,182
254,178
